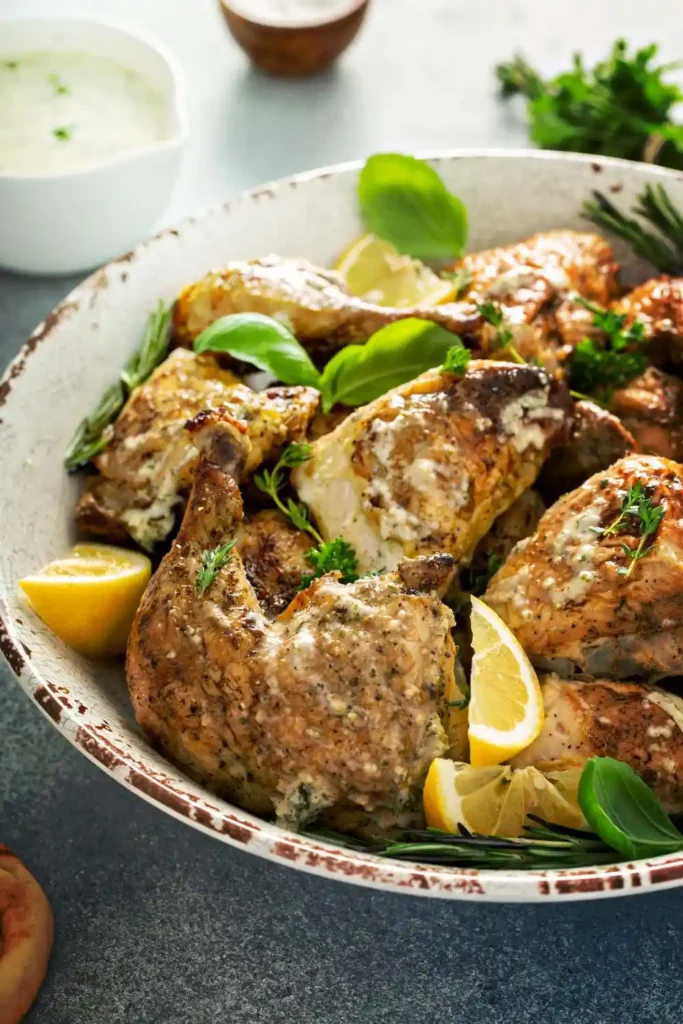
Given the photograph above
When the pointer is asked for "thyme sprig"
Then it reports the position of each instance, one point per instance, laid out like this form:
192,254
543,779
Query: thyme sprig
326,556
213,559
639,513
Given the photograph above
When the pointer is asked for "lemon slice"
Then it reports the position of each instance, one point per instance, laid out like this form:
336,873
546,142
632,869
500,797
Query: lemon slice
89,597
506,703
497,800
376,271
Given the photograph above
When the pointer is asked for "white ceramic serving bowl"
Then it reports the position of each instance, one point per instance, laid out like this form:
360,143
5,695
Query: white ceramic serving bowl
79,349
61,223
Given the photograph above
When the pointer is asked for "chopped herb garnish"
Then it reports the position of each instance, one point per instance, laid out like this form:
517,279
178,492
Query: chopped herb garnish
213,559
58,85
457,359
598,369
11,65
62,133
637,513
493,314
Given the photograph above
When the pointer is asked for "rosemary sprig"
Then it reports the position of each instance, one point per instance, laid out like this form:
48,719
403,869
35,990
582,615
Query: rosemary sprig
493,314
95,431
656,208
327,556
542,846
213,559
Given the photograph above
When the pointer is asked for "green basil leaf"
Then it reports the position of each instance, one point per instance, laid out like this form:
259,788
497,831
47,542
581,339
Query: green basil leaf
624,811
393,355
404,200
263,342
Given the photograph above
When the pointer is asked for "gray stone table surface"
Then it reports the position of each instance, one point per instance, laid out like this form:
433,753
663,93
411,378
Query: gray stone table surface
157,924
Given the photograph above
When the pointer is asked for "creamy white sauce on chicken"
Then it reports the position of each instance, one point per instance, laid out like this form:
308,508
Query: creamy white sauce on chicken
64,111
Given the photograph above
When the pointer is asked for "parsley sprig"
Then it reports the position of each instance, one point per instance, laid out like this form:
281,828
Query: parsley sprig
334,554
213,559
326,556
637,513
493,314
621,107
598,369
457,360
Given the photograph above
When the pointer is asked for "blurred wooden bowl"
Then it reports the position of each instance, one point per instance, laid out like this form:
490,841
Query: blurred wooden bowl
294,50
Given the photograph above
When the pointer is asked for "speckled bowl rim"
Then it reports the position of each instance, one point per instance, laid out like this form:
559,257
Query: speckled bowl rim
192,805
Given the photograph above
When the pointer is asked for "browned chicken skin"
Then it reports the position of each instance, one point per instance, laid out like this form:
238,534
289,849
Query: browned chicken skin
535,282
146,468
430,465
598,438
312,302
563,596
641,725
336,702
651,408
273,554
658,304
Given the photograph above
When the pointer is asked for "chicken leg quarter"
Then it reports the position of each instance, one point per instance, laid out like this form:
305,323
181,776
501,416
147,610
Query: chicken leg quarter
336,703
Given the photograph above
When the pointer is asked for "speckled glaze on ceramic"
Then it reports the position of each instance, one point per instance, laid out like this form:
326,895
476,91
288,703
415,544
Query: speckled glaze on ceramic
78,350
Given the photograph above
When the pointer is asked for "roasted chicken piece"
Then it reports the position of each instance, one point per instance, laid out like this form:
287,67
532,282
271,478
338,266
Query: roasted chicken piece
430,465
312,302
658,304
651,408
338,701
273,553
542,268
564,591
535,283
145,470
641,725
597,439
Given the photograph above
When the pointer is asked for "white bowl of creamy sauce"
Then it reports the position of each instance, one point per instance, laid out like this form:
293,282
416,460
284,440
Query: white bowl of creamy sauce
91,136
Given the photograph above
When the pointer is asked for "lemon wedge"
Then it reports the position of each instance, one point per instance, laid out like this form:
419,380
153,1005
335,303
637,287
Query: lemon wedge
90,596
376,271
497,800
506,703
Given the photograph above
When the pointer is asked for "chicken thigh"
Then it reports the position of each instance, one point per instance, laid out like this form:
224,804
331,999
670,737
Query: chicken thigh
651,408
658,304
273,553
597,439
430,465
339,701
641,725
145,469
577,602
